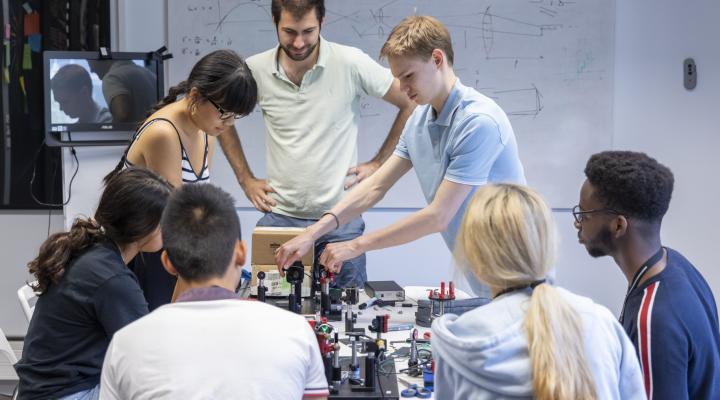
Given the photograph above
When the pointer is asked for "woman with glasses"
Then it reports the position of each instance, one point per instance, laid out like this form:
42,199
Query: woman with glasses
533,340
177,140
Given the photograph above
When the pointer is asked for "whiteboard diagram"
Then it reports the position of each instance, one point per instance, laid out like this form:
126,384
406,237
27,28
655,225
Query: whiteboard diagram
548,63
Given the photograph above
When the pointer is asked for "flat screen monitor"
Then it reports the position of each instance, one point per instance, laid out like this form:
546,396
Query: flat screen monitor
87,93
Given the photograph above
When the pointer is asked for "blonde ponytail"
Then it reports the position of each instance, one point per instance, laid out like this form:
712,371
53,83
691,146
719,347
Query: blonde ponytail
555,344
508,240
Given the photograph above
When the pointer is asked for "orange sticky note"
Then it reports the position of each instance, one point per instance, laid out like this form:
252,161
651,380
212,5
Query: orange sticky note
31,23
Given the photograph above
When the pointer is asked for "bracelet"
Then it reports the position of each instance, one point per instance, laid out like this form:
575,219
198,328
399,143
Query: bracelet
337,221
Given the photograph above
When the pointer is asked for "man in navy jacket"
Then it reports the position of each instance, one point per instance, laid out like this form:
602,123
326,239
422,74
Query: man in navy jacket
669,311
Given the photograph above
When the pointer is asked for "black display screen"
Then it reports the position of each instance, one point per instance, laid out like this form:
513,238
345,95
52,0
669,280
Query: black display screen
84,93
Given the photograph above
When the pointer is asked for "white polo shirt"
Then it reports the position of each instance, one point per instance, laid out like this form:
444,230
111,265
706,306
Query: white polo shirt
312,128
217,349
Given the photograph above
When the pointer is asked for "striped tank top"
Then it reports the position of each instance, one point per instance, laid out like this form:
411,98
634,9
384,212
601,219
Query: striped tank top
188,173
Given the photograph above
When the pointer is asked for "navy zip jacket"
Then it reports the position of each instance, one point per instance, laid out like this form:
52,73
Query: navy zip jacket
672,320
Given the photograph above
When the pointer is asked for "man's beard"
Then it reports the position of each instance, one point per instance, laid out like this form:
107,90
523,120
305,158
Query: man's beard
303,56
602,244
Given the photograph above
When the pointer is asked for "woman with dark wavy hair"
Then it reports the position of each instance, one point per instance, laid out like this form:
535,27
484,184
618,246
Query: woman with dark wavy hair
178,139
86,291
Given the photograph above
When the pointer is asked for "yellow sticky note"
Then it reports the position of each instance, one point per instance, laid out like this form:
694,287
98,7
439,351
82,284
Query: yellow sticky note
22,85
27,57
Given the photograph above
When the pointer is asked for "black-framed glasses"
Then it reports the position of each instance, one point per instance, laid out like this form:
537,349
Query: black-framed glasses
224,115
578,213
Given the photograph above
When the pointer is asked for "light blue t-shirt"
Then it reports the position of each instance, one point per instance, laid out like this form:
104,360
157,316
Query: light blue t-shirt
470,142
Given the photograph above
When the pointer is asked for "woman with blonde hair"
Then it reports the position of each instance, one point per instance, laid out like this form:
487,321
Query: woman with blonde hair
533,340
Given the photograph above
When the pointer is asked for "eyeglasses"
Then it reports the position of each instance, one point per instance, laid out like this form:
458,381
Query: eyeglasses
579,213
224,115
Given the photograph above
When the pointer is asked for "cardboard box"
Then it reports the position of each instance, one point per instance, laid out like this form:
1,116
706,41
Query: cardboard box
265,241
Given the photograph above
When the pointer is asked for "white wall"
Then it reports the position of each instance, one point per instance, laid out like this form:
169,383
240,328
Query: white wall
21,233
653,113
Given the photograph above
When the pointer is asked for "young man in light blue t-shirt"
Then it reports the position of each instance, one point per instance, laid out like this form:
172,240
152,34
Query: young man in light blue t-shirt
456,139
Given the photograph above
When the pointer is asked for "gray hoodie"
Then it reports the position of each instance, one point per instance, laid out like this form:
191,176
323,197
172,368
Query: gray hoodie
483,354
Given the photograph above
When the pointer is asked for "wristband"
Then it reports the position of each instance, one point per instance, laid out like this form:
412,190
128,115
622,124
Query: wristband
337,221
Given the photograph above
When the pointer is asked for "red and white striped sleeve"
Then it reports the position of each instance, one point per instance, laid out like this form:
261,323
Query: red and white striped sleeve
644,330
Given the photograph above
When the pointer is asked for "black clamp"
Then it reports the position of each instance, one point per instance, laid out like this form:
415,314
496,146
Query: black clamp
261,289
162,54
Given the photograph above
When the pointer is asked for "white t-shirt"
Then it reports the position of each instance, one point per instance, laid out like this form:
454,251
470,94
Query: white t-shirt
312,129
219,349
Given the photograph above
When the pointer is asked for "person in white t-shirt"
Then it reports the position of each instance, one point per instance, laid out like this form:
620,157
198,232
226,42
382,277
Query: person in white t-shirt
210,343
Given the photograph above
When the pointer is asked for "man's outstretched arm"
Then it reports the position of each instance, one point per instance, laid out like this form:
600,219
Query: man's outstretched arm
433,218
363,196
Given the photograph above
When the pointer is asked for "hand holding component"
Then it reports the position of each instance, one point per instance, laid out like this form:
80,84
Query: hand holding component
336,253
293,250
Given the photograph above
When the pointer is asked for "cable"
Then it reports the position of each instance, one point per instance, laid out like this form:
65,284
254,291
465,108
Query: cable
423,364
72,179
377,373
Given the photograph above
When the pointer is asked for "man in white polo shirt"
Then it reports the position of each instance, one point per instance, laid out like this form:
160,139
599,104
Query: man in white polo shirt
210,344
456,140
309,91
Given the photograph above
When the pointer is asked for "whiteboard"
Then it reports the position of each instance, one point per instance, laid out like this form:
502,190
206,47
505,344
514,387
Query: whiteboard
548,63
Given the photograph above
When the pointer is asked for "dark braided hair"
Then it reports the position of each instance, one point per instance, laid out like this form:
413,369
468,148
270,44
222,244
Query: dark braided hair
221,76
631,183
130,208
